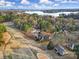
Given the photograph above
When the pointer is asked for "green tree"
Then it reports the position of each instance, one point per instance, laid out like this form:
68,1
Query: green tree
2,18
2,28
76,50
1,41
27,26
45,25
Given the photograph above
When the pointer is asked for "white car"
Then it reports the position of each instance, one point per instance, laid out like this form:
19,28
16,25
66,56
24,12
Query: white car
60,50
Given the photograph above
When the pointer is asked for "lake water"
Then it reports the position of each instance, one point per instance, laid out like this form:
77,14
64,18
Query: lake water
52,14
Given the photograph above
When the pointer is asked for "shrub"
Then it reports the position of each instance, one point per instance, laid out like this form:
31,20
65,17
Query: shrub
27,26
2,28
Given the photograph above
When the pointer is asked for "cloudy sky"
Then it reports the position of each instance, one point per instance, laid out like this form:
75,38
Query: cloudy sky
38,4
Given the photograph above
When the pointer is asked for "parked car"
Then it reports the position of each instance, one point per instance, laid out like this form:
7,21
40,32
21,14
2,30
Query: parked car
60,50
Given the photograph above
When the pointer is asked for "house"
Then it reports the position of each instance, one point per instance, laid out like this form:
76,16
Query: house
35,32
60,50
40,36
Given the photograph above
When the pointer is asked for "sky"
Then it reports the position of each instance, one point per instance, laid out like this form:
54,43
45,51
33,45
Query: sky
39,4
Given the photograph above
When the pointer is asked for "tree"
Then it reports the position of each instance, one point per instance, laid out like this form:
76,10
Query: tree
9,16
71,25
76,50
45,25
2,28
1,41
27,26
50,45
56,38
2,18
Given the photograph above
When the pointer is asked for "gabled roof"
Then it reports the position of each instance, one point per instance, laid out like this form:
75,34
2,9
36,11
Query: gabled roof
46,33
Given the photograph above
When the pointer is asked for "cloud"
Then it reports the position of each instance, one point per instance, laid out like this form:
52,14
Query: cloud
25,2
2,2
55,5
6,3
35,5
43,6
10,3
57,0
46,1
69,1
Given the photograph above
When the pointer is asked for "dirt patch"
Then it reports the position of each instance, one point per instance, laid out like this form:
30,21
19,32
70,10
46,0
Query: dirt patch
6,37
42,56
